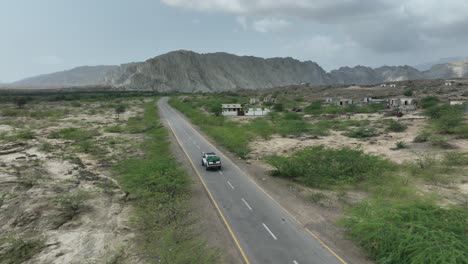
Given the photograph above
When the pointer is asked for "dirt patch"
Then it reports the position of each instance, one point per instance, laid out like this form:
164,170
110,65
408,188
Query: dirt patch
39,175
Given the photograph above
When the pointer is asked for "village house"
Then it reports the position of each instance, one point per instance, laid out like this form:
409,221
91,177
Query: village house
232,109
254,100
388,85
329,100
457,102
257,112
344,102
403,103
448,84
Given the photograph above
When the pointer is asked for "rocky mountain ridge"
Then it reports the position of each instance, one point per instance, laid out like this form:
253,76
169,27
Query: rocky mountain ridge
187,71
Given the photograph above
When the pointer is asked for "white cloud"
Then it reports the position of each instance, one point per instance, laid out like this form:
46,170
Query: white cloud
242,21
270,25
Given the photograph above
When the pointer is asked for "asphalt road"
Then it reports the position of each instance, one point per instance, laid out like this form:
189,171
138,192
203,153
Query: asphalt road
263,231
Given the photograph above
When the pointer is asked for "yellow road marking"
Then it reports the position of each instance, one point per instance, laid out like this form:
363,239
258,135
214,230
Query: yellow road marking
325,245
268,195
244,256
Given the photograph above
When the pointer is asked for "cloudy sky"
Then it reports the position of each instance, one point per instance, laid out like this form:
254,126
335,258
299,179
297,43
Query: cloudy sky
51,35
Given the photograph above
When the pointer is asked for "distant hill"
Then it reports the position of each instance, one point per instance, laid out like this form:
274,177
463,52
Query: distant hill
187,71
457,69
80,76
428,65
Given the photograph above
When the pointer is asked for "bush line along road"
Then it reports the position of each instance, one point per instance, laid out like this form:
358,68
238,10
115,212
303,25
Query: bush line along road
263,231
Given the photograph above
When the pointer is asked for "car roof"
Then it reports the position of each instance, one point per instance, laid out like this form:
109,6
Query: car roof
210,153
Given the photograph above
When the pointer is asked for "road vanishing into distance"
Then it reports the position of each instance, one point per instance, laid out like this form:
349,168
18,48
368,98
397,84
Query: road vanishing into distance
263,231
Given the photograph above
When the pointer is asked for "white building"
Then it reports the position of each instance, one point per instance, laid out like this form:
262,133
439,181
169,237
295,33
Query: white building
345,102
257,112
454,102
448,83
329,100
254,100
231,109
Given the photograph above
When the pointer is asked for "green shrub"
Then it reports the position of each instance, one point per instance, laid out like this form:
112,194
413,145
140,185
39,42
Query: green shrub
395,126
114,129
292,116
319,166
395,232
422,137
18,250
315,108
292,127
456,159
429,101
73,133
278,107
362,132
70,205
261,127
408,92
400,145
25,134
441,142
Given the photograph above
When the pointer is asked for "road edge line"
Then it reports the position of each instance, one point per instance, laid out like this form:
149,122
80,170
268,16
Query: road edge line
267,194
211,197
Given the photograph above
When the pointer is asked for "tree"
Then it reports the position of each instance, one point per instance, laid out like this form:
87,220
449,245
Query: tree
216,109
408,92
20,101
119,110
278,107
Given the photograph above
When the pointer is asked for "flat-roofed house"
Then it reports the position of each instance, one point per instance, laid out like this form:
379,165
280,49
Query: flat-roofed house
231,109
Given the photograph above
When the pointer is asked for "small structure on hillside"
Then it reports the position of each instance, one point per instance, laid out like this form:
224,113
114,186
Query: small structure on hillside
448,83
344,102
254,100
269,99
457,102
257,112
403,103
329,100
368,100
232,109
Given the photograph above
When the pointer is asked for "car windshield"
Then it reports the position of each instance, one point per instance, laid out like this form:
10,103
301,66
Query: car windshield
210,154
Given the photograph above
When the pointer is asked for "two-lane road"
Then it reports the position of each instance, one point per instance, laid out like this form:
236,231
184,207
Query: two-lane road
262,230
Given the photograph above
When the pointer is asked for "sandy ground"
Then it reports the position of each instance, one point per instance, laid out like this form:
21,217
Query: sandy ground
384,144
32,179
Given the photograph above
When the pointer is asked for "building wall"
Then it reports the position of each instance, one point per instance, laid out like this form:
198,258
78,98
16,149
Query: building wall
257,112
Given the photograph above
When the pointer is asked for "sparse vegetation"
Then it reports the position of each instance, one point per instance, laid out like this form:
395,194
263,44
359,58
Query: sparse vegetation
119,109
74,133
362,132
411,231
312,166
395,126
70,205
16,250
400,145
159,190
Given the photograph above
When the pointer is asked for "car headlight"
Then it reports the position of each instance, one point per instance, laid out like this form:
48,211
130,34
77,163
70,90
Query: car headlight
210,162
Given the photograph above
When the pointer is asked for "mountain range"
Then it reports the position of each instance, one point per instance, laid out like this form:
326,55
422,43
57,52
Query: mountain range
187,71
